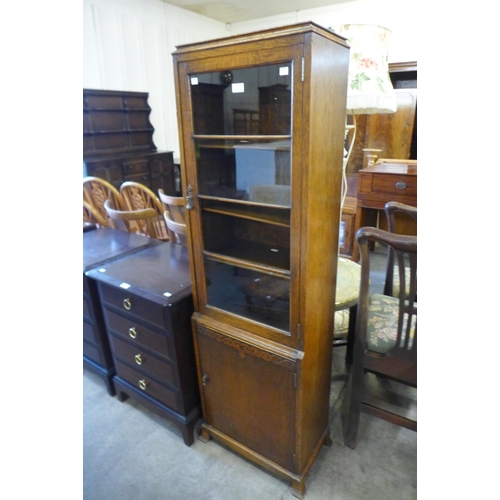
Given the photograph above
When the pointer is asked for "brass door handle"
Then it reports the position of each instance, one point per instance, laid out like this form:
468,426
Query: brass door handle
138,359
132,332
142,384
127,304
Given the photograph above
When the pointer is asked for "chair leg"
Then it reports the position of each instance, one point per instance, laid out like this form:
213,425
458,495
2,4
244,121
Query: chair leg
351,334
355,394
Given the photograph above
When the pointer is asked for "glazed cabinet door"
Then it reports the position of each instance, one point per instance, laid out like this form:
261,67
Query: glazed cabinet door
241,187
248,394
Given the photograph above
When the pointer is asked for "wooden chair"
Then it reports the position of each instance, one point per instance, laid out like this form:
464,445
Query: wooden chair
176,229
136,196
392,281
386,331
142,221
174,205
92,216
95,192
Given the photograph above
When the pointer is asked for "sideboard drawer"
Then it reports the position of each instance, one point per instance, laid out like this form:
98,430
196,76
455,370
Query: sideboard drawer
396,185
133,304
146,363
138,334
135,167
148,386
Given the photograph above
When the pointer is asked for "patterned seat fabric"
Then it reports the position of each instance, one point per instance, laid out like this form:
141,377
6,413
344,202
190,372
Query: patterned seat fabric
382,323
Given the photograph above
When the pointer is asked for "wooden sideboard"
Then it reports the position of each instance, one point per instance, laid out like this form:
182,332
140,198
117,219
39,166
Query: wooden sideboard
386,180
118,141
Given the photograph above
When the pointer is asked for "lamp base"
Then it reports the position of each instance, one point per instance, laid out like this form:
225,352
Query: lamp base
370,156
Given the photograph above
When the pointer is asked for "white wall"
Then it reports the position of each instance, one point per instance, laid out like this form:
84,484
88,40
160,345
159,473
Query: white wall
392,14
127,44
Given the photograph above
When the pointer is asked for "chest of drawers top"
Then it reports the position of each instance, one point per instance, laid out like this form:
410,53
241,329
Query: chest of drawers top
104,245
385,182
159,274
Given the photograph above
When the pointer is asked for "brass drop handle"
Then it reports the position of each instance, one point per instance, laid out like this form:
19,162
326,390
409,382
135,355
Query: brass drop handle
132,332
127,304
142,384
189,198
400,185
204,379
138,359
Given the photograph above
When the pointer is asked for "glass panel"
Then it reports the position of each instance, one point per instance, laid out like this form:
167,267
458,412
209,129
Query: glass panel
253,234
256,171
253,295
246,101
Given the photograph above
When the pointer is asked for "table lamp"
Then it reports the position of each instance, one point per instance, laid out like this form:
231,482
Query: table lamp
369,88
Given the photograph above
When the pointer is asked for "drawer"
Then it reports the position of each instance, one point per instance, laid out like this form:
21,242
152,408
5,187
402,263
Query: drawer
92,353
140,178
396,185
144,384
144,362
86,309
139,335
88,333
133,305
135,167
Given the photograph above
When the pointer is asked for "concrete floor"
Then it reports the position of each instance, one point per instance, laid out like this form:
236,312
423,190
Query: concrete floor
130,453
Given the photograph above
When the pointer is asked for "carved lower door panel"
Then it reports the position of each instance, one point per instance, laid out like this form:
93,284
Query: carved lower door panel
248,394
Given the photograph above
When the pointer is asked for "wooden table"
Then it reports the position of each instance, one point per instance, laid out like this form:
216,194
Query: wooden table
394,180
101,246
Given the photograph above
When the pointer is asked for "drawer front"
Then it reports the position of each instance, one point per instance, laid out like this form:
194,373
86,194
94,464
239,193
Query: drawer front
144,384
92,353
396,185
89,334
132,305
86,309
143,361
135,167
140,178
139,335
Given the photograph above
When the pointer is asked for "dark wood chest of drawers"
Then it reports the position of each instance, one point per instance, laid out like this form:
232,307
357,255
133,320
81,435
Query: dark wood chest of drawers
147,304
101,246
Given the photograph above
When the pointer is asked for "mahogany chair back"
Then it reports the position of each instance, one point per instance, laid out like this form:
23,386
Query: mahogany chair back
386,331
95,192
392,281
136,196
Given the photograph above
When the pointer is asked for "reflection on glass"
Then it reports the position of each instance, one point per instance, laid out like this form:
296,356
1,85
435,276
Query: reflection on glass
246,101
253,295
256,171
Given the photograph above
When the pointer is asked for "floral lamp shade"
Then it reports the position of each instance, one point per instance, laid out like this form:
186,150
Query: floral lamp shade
370,90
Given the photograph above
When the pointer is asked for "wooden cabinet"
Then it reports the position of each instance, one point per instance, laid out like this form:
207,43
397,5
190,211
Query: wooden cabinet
101,246
386,180
262,222
118,141
147,305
